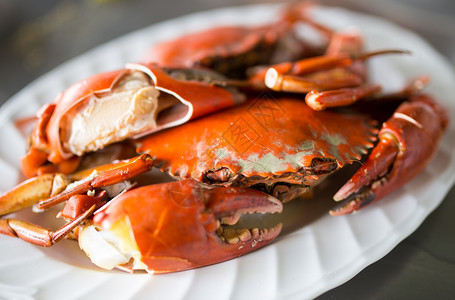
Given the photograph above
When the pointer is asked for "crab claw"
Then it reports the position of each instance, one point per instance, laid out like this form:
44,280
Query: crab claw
176,226
408,142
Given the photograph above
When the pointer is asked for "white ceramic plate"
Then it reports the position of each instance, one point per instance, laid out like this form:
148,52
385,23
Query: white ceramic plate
315,253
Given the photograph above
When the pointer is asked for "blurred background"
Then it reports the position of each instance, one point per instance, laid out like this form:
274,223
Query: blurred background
37,36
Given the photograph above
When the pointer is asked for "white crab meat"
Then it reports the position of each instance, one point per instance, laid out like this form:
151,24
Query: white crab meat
133,107
106,250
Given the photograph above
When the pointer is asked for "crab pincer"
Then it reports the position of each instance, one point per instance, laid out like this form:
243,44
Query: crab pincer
408,141
186,225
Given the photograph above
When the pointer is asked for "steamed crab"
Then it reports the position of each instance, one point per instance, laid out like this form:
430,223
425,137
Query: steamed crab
234,149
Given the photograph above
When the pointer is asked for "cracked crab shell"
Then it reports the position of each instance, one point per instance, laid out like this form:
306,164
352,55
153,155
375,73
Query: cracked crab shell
193,99
264,137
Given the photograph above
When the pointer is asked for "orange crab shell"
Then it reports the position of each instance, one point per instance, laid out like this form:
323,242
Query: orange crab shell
200,98
263,137
200,48
231,49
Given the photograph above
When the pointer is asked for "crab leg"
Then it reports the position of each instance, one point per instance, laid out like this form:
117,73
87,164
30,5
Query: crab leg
318,100
42,187
26,194
408,142
298,12
38,235
327,80
325,62
125,171
32,163
320,73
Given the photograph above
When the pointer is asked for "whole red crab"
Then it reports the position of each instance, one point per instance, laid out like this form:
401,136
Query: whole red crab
237,142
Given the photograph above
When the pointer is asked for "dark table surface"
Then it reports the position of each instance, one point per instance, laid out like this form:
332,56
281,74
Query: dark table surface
37,36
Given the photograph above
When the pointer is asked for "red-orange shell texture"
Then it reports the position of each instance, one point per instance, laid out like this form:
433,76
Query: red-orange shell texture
265,136
418,144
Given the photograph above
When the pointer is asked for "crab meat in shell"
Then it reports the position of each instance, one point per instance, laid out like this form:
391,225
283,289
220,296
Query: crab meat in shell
132,107
127,103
